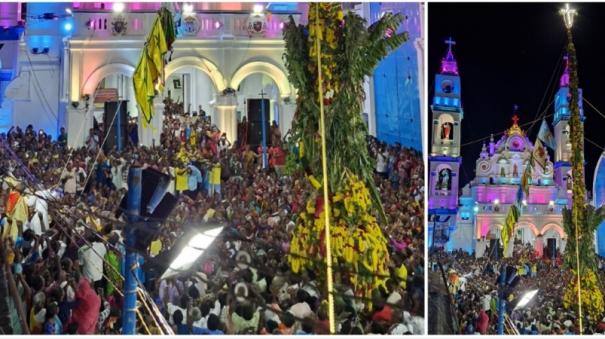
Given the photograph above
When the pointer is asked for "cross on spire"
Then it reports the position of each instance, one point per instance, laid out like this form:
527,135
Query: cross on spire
515,117
450,42
448,64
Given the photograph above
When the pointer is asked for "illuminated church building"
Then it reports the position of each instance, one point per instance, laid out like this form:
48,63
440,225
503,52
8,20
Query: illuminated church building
471,218
60,62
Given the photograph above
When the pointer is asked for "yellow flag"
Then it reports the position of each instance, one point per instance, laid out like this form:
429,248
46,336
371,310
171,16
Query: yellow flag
509,226
150,71
143,88
156,48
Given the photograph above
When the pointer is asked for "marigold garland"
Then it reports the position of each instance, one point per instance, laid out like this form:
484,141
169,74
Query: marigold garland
358,244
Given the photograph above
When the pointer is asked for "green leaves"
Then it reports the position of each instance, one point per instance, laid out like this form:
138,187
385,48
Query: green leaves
358,51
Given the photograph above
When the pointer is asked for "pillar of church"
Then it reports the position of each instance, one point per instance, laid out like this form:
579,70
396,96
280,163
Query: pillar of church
539,246
150,135
79,122
226,115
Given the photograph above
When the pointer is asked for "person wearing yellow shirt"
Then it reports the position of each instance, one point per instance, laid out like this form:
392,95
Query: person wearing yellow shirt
215,179
402,275
182,176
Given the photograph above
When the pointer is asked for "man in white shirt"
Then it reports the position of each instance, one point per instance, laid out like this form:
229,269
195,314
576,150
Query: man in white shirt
91,259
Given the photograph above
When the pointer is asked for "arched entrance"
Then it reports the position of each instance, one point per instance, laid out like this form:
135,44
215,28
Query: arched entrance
526,233
111,82
255,76
553,236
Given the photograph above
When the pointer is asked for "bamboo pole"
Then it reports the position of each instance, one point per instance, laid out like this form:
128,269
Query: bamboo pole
324,167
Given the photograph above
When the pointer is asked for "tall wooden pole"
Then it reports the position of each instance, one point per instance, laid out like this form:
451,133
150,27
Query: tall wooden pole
578,208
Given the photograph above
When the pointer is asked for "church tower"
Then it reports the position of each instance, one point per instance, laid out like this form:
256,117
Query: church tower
562,133
444,160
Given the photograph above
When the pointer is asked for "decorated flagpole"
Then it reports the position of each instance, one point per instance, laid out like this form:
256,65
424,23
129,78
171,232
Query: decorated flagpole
577,157
324,166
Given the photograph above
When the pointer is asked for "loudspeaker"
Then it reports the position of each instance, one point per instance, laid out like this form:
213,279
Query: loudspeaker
552,248
255,129
494,248
156,206
118,131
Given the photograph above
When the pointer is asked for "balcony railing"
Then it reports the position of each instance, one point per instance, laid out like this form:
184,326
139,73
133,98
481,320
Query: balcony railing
525,210
101,25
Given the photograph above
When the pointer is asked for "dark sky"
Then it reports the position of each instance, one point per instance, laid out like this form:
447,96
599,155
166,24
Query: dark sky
506,55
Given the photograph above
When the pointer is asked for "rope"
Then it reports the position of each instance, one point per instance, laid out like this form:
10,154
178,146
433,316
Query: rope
593,107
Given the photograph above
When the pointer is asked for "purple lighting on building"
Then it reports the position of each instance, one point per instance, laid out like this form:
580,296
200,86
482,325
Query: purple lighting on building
448,64
565,77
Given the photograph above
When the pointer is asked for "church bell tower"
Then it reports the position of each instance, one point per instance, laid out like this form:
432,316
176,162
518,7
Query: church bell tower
444,159
562,133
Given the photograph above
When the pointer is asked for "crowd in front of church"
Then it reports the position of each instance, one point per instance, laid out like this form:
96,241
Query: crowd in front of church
65,247
473,284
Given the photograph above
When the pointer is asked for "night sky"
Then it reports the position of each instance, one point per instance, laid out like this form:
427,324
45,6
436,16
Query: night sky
506,55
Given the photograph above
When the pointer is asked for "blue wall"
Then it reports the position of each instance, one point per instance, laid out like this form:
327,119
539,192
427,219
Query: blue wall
396,93
598,191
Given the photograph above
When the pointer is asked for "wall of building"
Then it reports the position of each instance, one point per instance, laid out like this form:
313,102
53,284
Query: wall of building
35,92
398,111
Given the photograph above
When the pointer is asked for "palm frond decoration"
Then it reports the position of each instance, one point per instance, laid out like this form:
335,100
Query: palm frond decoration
350,51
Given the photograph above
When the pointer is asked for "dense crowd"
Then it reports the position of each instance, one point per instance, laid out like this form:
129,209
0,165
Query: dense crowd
65,246
472,282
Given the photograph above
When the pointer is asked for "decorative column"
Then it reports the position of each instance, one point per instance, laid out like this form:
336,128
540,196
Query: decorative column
79,121
226,104
539,246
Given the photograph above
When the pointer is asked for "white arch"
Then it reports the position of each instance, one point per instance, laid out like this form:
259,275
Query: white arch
203,65
556,228
263,67
102,72
530,226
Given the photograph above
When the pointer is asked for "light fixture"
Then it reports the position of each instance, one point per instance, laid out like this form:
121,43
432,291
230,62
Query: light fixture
188,10
258,9
526,298
281,25
118,7
524,202
217,25
568,15
496,201
476,209
68,11
551,203
197,244
68,26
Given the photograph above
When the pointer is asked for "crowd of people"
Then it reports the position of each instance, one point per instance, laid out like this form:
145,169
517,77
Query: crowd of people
64,241
473,284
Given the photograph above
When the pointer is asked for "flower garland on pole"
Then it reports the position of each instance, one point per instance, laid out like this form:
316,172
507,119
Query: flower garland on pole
580,223
346,51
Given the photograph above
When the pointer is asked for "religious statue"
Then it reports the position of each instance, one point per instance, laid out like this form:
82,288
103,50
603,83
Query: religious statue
502,172
515,171
446,131
445,180
275,134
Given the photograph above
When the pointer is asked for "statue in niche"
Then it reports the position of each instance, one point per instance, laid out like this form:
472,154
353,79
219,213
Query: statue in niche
502,172
515,171
447,131
445,180
569,180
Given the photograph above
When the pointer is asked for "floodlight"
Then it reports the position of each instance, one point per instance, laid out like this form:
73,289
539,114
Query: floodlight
526,298
192,251
258,8
118,7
